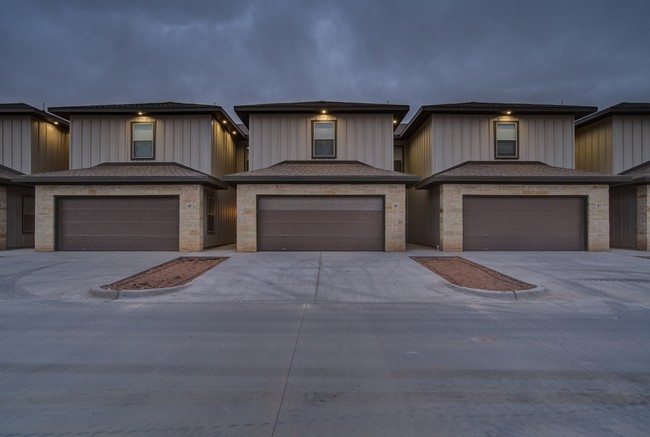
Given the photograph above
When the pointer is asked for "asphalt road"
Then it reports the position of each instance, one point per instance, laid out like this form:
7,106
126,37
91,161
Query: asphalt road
498,368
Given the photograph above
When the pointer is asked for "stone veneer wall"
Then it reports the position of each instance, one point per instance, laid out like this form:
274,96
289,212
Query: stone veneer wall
394,218
191,214
451,209
3,218
642,217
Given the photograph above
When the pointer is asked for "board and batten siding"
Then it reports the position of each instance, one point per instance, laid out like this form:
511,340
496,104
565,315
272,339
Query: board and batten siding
50,147
30,146
594,147
461,138
185,139
367,138
614,144
631,138
15,143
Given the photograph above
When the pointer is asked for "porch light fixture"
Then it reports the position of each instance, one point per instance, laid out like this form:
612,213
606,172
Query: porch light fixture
225,121
394,121
323,111
234,132
56,122
140,113
508,112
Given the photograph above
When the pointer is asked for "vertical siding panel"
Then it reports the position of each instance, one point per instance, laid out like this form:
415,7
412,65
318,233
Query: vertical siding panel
558,143
19,136
645,139
628,152
637,144
569,142
527,148
178,140
486,139
169,142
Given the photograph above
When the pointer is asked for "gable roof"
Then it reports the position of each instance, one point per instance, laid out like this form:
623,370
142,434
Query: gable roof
321,172
317,107
623,108
520,172
125,173
162,108
493,108
25,109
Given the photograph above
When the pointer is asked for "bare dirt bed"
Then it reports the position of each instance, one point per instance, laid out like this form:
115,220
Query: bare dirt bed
465,273
173,273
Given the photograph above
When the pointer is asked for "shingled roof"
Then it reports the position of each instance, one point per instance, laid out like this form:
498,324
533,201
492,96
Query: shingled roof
317,107
321,172
493,108
125,173
521,172
623,108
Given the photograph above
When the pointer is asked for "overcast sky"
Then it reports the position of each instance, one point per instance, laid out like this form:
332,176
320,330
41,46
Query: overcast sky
83,52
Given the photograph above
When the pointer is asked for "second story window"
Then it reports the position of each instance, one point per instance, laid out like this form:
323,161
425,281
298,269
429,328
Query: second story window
506,145
324,139
142,135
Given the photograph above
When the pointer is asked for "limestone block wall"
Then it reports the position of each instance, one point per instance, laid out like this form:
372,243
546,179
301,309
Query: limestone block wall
191,213
3,218
451,209
643,217
394,218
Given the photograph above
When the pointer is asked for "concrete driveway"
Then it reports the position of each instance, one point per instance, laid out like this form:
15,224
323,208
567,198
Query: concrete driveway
307,277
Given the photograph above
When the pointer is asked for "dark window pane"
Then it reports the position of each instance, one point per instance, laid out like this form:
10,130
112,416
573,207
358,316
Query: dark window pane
323,148
143,149
506,149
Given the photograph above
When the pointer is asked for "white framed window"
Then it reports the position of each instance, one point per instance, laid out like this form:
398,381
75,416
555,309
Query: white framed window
324,139
142,144
506,143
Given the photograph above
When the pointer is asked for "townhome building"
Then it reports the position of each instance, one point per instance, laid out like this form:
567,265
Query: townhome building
141,177
321,177
31,141
616,140
501,176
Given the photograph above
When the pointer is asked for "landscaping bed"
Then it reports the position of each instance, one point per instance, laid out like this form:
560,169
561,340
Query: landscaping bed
173,273
465,273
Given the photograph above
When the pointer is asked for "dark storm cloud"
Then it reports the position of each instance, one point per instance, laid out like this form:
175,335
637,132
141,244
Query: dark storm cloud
235,52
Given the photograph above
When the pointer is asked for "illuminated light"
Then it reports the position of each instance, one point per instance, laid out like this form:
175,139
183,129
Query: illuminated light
225,121
323,112
508,112
394,121
234,132
140,113
56,122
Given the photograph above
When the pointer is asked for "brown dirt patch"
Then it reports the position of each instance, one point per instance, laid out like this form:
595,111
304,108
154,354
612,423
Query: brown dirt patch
465,273
173,273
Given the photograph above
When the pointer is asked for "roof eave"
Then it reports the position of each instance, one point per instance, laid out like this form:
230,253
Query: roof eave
535,180
118,180
406,180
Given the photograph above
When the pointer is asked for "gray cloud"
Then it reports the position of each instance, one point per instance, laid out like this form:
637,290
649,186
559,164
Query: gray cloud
254,51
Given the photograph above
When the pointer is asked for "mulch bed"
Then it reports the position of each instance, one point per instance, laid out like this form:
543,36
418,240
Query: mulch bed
173,273
465,273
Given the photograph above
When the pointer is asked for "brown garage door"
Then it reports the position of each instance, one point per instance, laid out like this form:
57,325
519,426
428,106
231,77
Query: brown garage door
320,223
117,223
523,223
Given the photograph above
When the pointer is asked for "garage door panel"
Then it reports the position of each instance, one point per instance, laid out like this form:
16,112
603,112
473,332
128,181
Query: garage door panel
523,223
118,223
320,223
